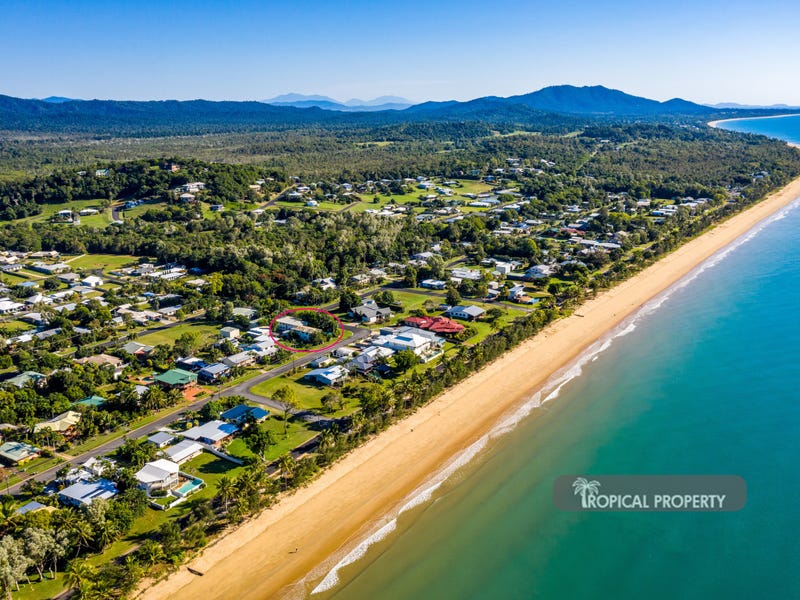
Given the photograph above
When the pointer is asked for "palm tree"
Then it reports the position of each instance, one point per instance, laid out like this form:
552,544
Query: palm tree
225,490
83,535
151,553
582,486
288,465
79,574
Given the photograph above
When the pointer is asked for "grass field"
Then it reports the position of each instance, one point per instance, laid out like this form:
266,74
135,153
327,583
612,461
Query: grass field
207,332
298,432
106,262
48,210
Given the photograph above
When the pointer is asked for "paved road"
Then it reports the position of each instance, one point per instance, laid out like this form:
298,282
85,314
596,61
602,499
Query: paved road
241,389
245,388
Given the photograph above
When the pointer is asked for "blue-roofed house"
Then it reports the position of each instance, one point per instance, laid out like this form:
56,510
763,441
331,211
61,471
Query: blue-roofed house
84,493
212,433
239,414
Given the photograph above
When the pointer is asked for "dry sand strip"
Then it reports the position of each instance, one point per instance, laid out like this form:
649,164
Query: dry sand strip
258,560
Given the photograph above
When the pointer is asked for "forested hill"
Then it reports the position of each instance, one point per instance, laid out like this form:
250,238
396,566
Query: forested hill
553,109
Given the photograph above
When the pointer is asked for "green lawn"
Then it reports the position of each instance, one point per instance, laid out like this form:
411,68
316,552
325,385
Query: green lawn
48,210
412,301
207,332
207,467
298,431
139,210
308,394
107,262
49,588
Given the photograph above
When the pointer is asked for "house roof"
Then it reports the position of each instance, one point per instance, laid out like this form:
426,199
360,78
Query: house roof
101,359
21,379
94,401
182,450
471,310
62,422
17,451
161,437
86,492
331,373
176,377
156,471
240,412
213,430
214,369
135,347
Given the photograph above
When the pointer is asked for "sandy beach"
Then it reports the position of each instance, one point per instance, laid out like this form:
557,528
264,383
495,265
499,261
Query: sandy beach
258,560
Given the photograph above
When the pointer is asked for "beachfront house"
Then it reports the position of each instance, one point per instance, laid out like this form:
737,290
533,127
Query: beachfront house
466,312
328,376
83,493
157,475
212,433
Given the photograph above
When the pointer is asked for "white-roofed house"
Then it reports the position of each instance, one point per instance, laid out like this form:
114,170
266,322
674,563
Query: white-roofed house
158,475
212,433
183,451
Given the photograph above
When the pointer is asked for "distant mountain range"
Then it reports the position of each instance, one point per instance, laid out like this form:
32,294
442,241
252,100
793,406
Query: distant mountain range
352,105
735,106
549,109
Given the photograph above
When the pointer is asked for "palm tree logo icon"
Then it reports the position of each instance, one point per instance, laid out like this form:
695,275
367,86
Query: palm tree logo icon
583,487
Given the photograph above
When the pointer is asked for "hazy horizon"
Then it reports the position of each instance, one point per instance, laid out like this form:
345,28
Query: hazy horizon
253,50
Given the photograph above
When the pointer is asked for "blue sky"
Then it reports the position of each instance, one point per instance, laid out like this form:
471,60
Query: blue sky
702,50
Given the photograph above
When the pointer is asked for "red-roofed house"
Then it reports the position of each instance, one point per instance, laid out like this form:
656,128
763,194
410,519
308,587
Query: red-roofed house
441,325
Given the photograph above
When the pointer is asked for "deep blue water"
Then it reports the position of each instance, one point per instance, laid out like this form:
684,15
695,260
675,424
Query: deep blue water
785,128
709,382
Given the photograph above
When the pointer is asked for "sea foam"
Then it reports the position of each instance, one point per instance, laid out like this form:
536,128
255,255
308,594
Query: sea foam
549,391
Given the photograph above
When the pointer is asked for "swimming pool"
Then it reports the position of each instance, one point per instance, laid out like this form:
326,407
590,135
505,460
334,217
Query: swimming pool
189,487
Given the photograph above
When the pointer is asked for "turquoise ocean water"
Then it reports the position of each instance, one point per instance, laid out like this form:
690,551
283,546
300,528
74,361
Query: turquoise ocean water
784,128
705,380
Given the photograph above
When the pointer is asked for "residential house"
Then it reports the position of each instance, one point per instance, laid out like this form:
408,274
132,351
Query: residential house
102,360
212,433
92,281
213,373
441,325
540,271
140,351
433,284
240,359
370,312
229,333
157,475
161,439
183,451
466,312
471,274
93,401
62,423
176,379
84,493
17,453
328,376
240,414
26,377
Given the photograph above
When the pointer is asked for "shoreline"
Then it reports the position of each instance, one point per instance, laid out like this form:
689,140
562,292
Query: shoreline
716,123
332,515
